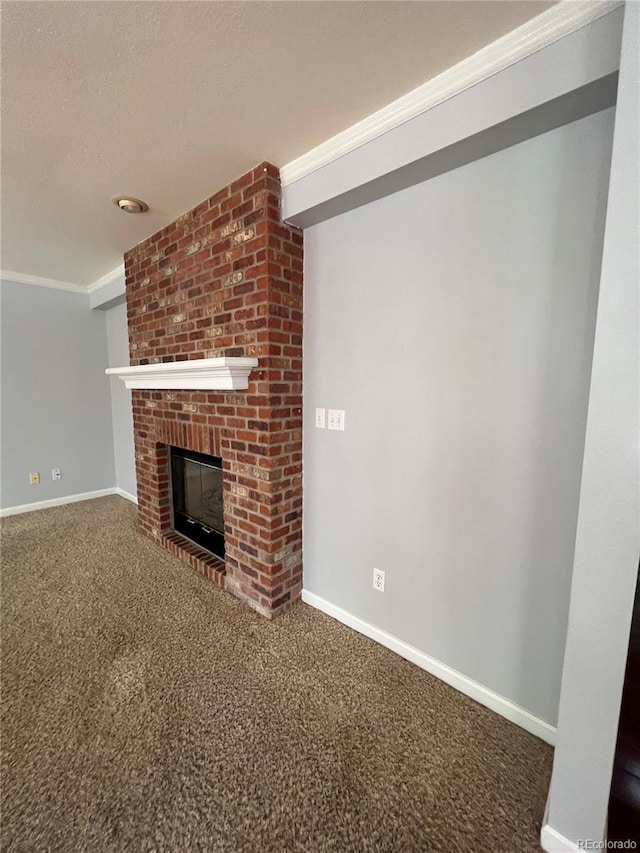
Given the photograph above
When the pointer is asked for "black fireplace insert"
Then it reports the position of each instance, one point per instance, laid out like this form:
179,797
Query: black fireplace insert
196,487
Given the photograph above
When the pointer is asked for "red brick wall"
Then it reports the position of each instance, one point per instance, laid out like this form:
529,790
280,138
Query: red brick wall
226,279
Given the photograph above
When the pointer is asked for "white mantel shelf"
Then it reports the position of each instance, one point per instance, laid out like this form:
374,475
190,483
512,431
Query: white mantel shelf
210,374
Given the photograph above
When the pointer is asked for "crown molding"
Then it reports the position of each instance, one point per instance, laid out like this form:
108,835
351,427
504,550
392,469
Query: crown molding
71,287
107,279
556,22
38,281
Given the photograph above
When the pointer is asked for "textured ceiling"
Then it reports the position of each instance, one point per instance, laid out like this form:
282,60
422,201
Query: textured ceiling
168,101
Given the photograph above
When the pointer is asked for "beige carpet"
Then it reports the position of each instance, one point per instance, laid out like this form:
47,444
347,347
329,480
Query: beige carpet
144,709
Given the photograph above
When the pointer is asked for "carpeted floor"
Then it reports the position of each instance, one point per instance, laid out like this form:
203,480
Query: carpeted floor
143,709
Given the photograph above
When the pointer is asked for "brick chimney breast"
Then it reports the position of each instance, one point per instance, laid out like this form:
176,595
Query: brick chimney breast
225,279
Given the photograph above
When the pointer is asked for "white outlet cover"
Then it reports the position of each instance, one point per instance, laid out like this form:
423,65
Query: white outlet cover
320,418
378,580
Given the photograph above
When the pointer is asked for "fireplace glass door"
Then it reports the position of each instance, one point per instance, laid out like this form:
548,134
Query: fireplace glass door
196,481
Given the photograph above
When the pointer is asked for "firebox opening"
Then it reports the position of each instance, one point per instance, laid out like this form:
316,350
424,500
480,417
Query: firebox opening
196,488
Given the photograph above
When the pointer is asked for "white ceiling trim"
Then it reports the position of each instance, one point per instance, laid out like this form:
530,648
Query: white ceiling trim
550,26
109,278
38,281
70,286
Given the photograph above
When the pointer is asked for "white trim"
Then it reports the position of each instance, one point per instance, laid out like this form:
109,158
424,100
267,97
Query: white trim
127,495
556,22
36,280
553,842
107,279
217,374
468,686
68,499
39,281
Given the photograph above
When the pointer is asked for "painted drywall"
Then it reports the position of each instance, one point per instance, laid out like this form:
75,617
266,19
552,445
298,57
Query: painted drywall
589,99
453,322
109,291
56,410
123,446
608,535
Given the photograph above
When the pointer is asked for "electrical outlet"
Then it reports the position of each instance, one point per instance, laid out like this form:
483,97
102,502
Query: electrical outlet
34,478
378,580
336,419
320,419
56,474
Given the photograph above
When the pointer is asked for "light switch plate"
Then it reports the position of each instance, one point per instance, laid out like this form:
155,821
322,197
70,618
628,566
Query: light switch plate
320,418
336,419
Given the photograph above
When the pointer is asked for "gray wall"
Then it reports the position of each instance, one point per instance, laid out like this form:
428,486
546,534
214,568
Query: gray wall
454,324
118,343
56,411
608,537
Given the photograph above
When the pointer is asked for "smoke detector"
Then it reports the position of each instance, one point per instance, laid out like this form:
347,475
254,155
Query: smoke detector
131,205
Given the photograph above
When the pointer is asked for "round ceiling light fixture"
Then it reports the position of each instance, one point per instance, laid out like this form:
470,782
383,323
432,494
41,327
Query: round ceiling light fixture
131,205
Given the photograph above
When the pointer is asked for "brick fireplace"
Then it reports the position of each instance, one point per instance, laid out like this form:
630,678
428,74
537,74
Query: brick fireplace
225,279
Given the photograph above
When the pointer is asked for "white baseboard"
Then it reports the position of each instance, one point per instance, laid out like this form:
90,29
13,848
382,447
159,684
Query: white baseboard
127,495
507,709
68,499
552,842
